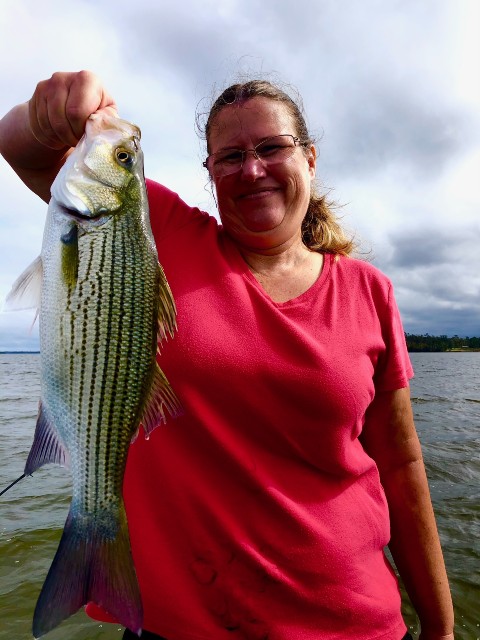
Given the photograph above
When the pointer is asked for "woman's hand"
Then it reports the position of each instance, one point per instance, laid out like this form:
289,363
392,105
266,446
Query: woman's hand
37,136
60,107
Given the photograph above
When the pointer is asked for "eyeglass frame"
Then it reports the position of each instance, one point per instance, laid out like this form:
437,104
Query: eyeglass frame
296,142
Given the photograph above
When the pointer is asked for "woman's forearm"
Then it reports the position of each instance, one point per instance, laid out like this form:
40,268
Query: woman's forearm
35,163
416,549
390,437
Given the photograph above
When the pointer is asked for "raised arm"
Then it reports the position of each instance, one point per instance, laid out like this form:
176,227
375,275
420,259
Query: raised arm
390,438
37,136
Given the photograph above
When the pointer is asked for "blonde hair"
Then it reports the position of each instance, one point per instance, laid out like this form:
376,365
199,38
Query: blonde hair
321,230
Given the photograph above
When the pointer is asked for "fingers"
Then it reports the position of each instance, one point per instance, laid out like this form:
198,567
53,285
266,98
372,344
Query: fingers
60,106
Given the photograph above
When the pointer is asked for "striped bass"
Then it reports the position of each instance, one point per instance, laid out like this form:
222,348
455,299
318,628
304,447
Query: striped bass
104,306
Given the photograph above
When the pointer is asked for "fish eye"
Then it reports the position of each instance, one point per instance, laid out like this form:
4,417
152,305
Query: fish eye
124,158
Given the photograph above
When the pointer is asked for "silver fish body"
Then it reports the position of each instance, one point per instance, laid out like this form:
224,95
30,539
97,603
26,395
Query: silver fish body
105,303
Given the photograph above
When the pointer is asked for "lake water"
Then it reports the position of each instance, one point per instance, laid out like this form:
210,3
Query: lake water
446,402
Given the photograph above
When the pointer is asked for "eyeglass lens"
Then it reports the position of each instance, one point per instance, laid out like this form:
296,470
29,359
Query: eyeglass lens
271,151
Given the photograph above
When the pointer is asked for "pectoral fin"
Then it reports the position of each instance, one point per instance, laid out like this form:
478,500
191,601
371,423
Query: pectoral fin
26,291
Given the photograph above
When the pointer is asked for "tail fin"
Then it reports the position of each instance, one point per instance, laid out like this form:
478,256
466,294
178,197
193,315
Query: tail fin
91,564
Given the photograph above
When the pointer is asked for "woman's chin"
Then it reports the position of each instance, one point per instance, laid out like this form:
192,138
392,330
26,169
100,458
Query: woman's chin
261,221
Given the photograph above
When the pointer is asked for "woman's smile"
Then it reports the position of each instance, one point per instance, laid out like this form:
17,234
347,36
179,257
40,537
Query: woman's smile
258,194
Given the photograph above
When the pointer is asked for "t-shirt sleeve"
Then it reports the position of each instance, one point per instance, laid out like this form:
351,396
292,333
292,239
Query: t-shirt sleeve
168,212
394,368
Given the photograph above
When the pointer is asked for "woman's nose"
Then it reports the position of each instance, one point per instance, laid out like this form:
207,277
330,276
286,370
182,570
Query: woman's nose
252,167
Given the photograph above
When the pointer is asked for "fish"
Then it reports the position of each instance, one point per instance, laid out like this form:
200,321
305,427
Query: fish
104,306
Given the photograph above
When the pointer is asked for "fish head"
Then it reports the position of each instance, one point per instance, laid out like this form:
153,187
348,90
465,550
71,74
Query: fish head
103,172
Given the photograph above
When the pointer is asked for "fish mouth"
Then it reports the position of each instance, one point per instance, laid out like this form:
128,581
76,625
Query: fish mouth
82,216
98,217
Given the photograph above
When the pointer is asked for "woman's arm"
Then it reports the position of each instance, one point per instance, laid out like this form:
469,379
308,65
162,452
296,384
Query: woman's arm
37,136
390,438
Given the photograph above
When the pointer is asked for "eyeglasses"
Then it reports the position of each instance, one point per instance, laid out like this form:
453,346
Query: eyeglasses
270,151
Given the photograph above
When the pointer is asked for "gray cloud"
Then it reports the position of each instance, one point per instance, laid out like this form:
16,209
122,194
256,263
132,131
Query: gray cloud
394,128
437,279
445,322
425,246
388,89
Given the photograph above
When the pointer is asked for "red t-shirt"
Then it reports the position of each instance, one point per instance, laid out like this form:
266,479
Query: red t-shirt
257,514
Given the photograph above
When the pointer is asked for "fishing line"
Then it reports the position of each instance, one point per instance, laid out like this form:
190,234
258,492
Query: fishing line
13,483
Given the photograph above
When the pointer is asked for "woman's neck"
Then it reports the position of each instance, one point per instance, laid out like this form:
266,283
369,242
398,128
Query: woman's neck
285,274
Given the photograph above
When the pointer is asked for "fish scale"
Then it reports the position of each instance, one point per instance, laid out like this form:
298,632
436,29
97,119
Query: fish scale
105,303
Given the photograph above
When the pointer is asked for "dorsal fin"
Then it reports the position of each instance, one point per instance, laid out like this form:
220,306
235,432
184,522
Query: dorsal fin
167,311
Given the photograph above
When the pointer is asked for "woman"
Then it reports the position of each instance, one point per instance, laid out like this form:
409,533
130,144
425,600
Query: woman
262,512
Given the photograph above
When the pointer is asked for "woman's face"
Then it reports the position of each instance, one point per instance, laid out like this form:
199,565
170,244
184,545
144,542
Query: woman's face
261,207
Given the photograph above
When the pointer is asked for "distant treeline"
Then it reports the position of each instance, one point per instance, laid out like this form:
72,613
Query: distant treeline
414,343
440,343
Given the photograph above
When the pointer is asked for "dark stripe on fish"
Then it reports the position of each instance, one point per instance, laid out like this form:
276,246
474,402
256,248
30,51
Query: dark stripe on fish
114,390
129,305
97,282
117,389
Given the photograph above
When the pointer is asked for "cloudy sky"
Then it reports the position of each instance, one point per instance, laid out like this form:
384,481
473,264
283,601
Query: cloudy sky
391,92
